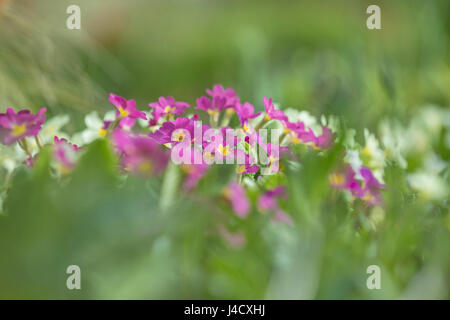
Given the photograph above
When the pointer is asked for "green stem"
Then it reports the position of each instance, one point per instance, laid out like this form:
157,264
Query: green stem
262,123
23,144
38,142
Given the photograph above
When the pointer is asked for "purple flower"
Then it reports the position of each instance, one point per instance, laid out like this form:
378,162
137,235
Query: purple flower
65,154
246,112
15,126
31,160
125,108
219,91
236,239
220,99
194,172
268,202
325,140
220,146
271,112
141,154
176,131
345,179
168,105
368,190
248,166
372,188
299,134
127,123
235,193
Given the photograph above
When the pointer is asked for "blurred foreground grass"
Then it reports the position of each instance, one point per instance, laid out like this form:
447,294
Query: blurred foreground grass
128,247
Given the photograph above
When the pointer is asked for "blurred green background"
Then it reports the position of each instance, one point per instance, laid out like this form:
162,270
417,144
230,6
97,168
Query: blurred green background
312,55
309,55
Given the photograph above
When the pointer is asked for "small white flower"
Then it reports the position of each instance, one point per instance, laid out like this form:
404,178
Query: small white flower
393,136
11,157
429,186
50,129
94,128
309,120
372,153
353,159
144,123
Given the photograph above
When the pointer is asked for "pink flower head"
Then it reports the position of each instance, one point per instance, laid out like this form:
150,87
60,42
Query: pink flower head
367,190
372,188
268,202
125,108
176,131
31,161
325,140
221,146
220,99
219,91
235,193
274,154
127,123
271,112
168,105
345,179
299,134
245,112
15,126
141,154
248,166
195,170
236,239
65,154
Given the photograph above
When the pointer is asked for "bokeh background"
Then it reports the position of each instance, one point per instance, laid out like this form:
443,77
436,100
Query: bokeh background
309,55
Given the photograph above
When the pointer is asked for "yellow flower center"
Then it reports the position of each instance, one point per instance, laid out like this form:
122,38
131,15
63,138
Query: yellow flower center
213,113
267,118
102,132
209,155
366,151
223,150
145,167
272,159
295,139
19,130
178,136
123,113
240,169
336,179
169,109
229,111
246,128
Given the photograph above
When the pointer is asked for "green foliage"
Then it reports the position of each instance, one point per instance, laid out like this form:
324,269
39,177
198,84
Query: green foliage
149,239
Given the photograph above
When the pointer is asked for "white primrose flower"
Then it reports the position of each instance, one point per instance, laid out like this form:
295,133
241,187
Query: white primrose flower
353,159
94,128
309,120
11,157
50,129
394,139
331,122
430,186
434,118
372,154
144,123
